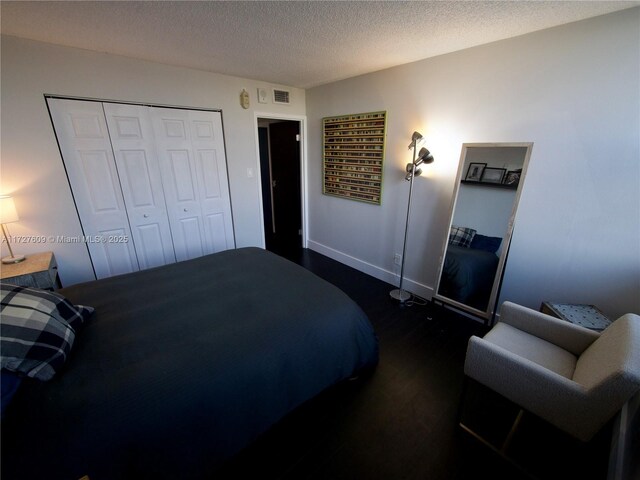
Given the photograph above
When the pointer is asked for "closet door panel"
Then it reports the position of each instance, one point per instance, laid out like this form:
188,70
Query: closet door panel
152,250
136,159
179,175
190,228
215,225
208,168
182,175
194,169
118,254
83,137
213,184
136,174
98,177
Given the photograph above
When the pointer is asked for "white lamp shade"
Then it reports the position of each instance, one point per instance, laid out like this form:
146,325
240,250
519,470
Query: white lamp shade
8,211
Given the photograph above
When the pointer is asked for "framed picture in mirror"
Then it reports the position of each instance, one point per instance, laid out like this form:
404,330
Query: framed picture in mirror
492,175
474,174
512,178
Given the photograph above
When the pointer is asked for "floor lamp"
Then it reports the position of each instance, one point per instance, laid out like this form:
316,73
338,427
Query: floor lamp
423,156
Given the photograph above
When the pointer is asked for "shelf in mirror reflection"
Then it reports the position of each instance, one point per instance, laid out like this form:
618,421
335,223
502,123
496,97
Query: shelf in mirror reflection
490,184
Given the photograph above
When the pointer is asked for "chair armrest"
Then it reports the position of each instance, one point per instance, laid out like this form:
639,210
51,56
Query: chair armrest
568,336
553,397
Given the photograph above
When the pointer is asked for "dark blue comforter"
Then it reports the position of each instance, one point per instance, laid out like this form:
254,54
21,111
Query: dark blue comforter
468,275
184,365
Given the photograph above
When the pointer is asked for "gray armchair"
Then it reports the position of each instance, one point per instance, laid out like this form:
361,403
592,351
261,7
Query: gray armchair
572,377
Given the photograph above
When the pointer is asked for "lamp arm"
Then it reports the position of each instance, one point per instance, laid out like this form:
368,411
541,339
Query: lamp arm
6,239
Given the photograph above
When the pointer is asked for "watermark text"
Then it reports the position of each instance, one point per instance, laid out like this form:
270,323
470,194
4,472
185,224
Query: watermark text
42,239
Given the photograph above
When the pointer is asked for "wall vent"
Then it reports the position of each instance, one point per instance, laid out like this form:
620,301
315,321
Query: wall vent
281,96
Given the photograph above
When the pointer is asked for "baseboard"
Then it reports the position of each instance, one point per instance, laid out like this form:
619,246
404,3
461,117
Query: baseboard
392,278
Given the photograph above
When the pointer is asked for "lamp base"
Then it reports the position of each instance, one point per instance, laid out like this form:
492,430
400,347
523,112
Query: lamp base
13,259
400,295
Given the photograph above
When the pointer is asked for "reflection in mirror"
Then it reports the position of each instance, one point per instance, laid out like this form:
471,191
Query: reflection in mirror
490,177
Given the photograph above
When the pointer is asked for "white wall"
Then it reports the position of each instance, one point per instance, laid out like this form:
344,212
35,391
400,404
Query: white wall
32,168
574,91
485,209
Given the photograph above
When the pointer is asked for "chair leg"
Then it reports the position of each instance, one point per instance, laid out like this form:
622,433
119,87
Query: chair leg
514,427
463,396
502,451
461,409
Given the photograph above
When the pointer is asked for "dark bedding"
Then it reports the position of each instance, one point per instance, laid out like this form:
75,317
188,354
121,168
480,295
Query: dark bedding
182,366
467,276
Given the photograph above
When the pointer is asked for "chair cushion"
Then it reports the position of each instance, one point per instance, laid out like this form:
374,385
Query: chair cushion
533,348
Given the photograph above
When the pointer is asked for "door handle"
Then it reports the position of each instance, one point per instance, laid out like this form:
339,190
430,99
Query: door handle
273,183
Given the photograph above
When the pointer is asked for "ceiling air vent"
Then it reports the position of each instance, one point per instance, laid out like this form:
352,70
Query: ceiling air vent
281,96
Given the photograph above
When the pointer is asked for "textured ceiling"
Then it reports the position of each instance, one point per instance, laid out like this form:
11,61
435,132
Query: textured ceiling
301,44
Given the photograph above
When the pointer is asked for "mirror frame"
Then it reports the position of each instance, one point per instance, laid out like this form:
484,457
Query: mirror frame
506,242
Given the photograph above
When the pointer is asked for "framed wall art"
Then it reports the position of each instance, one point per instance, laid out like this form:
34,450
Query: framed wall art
474,173
512,178
492,175
353,154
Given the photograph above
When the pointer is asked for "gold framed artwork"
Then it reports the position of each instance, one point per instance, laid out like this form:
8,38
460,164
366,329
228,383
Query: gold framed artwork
353,154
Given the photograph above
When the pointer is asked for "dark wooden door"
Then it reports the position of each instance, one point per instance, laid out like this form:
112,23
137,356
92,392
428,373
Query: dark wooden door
286,222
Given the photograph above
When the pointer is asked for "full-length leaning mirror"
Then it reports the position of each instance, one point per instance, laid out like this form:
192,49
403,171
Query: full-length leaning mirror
485,201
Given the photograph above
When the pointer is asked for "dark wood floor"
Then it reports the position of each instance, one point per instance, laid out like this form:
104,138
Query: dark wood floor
401,421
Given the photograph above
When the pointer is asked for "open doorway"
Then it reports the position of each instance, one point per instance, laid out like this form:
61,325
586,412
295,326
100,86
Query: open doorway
280,167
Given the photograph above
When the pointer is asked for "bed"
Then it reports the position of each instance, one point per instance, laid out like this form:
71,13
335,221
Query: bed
468,275
182,366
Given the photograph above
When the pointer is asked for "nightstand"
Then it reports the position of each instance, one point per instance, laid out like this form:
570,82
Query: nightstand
38,270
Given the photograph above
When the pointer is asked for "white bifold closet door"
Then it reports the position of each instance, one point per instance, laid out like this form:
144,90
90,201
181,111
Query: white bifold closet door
193,166
155,175
135,154
84,140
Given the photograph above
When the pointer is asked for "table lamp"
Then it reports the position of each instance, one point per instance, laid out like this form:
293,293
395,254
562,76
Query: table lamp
8,214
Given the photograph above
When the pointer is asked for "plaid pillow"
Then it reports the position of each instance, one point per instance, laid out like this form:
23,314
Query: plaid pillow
37,330
461,236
